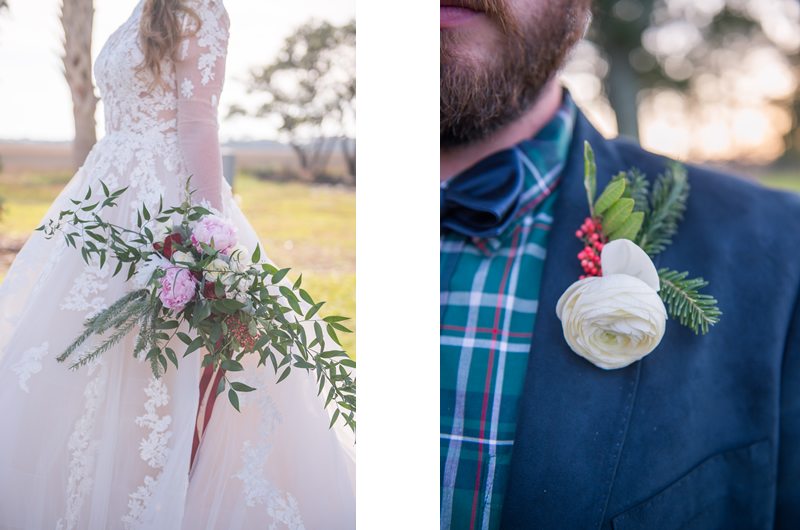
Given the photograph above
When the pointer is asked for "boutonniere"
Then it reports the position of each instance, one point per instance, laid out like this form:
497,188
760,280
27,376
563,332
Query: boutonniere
616,312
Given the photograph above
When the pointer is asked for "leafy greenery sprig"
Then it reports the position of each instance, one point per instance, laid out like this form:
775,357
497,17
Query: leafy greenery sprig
267,319
627,209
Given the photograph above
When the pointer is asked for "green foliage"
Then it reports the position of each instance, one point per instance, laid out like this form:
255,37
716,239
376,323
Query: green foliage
685,303
611,194
589,175
617,215
638,189
619,206
667,205
630,228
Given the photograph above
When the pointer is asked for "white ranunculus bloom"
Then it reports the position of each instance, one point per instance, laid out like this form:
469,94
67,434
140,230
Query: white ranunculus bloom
623,256
615,319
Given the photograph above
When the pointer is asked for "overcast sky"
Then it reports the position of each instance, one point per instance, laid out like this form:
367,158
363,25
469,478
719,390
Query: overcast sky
34,98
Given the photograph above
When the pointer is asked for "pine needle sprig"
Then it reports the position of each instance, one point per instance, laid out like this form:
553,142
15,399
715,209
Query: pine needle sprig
638,189
685,303
121,330
667,205
100,321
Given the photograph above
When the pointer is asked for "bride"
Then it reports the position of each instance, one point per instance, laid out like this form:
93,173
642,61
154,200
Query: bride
109,446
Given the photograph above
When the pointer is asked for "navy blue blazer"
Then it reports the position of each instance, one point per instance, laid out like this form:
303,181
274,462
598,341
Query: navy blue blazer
705,431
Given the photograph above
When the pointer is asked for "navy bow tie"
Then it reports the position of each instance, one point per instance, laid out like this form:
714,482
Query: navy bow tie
481,201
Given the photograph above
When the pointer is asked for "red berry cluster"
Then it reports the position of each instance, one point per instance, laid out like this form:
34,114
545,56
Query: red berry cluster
237,328
591,233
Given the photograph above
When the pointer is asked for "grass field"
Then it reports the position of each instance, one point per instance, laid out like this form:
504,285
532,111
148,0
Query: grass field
308,228
787,180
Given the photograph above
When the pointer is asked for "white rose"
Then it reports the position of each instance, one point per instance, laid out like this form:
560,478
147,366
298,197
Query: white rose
144,271
240,258
615,319
217,269
184,258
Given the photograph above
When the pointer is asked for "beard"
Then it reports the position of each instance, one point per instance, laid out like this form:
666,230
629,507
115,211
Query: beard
481,94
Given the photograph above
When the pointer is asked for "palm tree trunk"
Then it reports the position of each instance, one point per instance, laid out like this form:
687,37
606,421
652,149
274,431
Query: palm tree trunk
76,18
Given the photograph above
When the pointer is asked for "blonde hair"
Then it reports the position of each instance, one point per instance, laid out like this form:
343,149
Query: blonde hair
160,33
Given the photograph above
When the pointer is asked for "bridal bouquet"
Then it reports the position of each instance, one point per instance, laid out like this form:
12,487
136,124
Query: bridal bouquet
194,281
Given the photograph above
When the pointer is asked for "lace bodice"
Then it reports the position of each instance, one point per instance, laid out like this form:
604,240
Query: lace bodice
181,112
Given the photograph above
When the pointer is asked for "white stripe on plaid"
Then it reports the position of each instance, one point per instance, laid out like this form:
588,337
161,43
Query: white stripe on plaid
501,363
462,298
475,439
471,342
454,449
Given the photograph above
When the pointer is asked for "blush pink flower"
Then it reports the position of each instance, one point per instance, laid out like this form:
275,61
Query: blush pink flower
178,288
214,231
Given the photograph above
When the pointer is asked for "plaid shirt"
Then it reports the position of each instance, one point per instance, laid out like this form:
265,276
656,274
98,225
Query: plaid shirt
489,294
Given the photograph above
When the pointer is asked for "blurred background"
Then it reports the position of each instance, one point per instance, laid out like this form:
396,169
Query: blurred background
287,125
709,81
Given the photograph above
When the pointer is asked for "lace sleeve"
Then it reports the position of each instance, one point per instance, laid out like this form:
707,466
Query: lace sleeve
200,73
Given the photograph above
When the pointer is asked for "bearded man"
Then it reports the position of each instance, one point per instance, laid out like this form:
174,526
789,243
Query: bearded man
704,432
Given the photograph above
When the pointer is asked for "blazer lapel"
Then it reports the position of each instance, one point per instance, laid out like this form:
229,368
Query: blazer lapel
573,415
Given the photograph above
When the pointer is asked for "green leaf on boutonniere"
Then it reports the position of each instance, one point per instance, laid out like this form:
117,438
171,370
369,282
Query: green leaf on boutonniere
629,229
589,174
617,215
610,196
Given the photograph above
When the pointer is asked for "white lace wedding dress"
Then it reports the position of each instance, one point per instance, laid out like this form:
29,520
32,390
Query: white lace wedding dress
108,446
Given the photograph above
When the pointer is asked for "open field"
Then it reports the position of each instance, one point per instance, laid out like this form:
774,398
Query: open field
251,156
787,180
308,228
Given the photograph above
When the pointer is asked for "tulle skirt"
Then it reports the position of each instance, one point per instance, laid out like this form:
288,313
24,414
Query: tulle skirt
108,446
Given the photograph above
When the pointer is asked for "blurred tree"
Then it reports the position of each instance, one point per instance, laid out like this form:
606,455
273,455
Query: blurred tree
311,89
3,5
617,30
76,19
669,43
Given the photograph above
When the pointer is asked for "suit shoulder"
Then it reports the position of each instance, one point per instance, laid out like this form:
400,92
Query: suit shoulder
724,198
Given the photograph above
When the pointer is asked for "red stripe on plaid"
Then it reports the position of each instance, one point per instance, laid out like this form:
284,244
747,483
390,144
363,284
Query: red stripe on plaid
515,334
481,244
539,198
490,368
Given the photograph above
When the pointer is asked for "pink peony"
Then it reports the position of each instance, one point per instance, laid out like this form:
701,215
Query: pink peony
178,288
214,231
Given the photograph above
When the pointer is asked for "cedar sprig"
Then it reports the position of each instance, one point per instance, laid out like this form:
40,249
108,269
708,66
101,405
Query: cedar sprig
685,303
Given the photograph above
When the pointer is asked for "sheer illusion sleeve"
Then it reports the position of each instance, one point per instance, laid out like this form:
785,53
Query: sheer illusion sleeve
200,73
